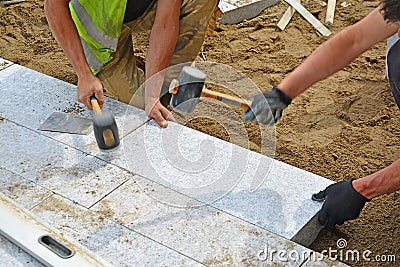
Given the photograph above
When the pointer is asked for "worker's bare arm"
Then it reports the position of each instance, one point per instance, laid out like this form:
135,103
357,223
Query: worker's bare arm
164,36
163,39
338,52
64,31
382,182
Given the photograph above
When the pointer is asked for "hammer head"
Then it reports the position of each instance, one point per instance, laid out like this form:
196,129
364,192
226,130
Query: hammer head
191,82
105,130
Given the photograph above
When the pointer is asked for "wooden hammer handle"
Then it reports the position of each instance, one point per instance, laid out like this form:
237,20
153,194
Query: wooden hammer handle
233,100
95,105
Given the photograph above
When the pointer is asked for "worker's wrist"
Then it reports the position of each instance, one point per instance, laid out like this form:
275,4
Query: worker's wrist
83,76
83,72
361,186
282,95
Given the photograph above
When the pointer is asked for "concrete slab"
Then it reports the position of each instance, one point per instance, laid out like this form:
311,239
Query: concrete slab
11,255
31,97
205,234
107,239
4,64
24,192
235,11
227,176
57,167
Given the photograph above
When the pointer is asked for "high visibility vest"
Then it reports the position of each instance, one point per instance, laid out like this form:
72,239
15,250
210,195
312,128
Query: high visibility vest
99,24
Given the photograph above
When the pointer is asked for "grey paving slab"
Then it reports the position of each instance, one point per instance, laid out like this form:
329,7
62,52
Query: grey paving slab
4,64
282,204
24,192
55,166
186,160
203,233
235,11
255,188
12,255
106,238
29,98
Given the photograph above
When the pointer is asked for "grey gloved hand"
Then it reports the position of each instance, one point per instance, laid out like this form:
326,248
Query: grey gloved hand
267,107
342,203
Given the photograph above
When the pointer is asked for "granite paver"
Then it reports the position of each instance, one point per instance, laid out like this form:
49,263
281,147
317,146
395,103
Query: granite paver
57,167
255,188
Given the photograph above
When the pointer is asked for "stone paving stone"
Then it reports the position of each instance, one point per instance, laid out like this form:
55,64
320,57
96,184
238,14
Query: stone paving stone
29,98
12,255
24,192
106,238
186,160
57,167
235,11
255,188
203,233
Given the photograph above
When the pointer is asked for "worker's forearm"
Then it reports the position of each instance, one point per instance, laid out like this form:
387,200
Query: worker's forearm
324,61
65,33
162,43
338,52
382,182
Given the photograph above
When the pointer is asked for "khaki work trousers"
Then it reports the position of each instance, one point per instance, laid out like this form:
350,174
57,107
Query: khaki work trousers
124,74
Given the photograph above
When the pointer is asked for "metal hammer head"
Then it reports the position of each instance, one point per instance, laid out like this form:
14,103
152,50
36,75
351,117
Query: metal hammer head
190,84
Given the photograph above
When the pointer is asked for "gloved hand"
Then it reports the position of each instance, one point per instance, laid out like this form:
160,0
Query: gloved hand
267,107
342,203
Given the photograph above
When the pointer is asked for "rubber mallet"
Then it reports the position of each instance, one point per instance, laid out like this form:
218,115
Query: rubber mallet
189,88
104,126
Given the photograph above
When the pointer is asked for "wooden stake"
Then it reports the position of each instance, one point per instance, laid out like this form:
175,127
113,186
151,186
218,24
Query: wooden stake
330,11
287,16
309,17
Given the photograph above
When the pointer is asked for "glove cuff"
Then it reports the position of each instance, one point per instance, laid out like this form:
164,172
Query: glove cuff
358,193
282,96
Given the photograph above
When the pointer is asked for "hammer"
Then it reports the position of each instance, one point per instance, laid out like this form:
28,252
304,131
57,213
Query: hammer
104,126
189,88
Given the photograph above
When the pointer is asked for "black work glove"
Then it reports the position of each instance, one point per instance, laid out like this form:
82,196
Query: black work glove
267,107
342,203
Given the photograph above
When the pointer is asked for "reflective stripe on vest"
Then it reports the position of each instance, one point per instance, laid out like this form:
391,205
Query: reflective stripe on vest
99,26
91,59
86,20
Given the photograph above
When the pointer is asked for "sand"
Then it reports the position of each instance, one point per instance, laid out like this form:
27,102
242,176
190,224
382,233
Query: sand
344,127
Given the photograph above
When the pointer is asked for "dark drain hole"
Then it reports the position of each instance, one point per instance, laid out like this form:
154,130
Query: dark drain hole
55,246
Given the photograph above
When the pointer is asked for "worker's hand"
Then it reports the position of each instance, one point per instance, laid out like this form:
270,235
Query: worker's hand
267,108
342,203
159,113
88,87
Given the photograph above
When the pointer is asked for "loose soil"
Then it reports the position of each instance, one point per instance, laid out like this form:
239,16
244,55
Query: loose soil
344,127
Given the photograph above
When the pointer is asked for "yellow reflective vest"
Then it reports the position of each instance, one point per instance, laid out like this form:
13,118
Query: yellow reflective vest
99,24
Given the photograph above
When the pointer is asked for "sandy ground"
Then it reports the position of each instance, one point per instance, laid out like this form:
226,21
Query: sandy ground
344,127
